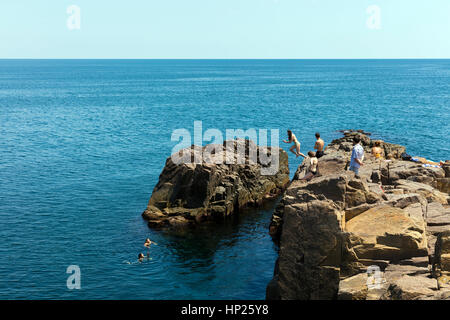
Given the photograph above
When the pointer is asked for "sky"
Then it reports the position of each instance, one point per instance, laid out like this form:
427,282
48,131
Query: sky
225,29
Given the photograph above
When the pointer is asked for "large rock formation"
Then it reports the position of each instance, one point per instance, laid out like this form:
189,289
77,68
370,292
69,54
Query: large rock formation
381,235
188,193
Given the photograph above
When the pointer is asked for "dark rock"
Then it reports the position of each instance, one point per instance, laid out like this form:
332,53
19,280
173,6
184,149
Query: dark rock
190,193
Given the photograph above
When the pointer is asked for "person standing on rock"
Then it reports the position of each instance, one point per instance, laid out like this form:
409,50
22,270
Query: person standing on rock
293,138
357,155
319,146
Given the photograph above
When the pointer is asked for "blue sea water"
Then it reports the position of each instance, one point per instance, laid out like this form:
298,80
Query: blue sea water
82,143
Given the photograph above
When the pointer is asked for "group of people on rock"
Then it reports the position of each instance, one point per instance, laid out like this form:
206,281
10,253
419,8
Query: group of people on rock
314,156
356,160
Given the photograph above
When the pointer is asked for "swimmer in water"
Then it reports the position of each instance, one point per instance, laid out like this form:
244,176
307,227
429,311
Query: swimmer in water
149,242
141,257
296,146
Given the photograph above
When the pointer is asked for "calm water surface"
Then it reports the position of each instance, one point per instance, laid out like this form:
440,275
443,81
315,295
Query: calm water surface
82,143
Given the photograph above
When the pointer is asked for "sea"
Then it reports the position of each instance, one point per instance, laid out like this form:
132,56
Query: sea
82,144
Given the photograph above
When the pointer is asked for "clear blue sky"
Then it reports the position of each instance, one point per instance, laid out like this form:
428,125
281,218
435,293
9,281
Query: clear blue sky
225,29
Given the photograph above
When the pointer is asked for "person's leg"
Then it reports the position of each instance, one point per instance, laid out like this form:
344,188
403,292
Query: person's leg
292,150
354,169
298,151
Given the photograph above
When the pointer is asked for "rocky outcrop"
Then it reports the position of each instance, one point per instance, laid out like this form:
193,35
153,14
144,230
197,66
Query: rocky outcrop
380,235
189,193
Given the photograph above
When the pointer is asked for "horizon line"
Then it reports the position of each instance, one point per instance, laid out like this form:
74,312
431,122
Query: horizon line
224,58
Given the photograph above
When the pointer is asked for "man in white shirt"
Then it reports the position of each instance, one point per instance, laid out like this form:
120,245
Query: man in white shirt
357,155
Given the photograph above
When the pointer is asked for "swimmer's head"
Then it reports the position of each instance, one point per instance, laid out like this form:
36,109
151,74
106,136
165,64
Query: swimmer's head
141,256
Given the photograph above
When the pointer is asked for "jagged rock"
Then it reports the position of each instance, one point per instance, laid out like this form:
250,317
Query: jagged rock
437,215
322,188
350,213
394,271
446,168
443,184
382,264
393,151
421,262
412,171
388,217
442,253
189,193
431,194
310,252
353,288
409,287
444,282
387,233
439,295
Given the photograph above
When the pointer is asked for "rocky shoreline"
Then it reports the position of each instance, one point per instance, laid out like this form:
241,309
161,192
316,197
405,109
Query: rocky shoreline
191,193
382,235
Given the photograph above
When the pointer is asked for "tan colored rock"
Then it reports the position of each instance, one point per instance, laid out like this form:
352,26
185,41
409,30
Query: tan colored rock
443,185
431,194
353,288
437,215
442,254
444,282
410,287
388,233
350,213
336,226
445,262
310,251
446,168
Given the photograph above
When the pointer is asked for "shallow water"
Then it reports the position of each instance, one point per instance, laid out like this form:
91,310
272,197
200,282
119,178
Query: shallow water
84,141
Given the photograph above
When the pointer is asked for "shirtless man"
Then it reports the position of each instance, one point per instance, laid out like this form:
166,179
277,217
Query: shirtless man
377,152
319,146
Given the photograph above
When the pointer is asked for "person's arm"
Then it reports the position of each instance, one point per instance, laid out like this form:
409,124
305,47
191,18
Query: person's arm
316,146
292,139
358,157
